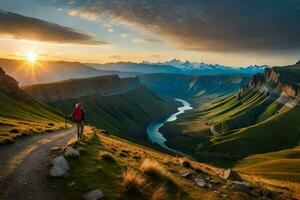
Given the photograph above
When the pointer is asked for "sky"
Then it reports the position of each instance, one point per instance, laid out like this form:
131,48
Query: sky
227,32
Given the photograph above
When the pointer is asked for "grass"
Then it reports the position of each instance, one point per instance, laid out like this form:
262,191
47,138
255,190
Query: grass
133,181
154,169
159,193
21,115
129,178
281,165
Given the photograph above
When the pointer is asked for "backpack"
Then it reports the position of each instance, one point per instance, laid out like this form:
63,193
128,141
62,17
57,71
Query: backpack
77,114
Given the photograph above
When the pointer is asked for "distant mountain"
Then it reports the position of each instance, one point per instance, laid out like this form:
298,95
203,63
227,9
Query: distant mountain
213,68
49,71
179,67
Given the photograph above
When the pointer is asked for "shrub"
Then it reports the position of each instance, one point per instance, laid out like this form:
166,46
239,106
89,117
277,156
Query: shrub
155,169
133,181
14,130
159,193
107,157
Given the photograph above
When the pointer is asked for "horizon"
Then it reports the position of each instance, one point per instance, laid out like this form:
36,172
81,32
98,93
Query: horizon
96,32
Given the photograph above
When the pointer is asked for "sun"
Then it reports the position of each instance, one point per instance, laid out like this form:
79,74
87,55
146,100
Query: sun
31,57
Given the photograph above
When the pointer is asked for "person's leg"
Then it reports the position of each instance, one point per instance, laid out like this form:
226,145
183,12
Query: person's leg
82,129
78,131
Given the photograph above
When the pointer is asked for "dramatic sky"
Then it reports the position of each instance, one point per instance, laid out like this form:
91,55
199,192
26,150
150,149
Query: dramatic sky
229,32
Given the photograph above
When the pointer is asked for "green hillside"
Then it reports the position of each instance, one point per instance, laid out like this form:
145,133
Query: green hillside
255,130
282,165
121,106
22,115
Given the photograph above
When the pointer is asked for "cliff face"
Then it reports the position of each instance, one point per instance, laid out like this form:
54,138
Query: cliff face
74,88
284,80
7,83
193,85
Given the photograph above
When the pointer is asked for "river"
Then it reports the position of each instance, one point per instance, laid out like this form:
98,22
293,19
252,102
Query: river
153,129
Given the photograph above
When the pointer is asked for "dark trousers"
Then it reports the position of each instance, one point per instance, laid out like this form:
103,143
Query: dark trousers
80,128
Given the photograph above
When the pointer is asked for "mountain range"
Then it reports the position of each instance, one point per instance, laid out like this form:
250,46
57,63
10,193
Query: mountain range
178,66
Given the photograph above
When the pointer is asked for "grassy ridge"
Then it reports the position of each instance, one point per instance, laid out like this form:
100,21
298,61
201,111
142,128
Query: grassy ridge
282,165
23,115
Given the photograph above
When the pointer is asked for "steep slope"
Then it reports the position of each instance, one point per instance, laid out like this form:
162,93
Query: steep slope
262,118
22,115
122,106
47,71
188,86
104,162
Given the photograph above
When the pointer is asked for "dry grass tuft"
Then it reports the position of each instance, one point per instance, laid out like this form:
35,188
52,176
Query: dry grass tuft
107,157
155,169
159,193
133,181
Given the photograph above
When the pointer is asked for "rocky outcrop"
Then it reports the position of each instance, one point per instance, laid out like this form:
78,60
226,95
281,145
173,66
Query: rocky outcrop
229,174
7,83
284,80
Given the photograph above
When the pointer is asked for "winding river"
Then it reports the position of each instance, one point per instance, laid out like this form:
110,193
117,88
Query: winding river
153,129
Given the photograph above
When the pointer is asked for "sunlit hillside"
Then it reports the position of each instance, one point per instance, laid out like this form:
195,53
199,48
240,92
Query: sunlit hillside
22,115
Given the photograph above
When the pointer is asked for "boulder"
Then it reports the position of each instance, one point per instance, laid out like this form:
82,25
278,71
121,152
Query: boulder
229,174
70,152
200,181
93,195
241,186
60,167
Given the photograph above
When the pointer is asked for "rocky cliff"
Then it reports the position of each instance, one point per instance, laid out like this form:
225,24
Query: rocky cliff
283,80
7,83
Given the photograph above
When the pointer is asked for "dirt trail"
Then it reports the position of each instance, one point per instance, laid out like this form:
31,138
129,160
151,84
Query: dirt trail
23,166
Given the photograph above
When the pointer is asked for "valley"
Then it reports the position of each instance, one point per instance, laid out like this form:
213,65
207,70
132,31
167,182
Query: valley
122,106
149,100
221,120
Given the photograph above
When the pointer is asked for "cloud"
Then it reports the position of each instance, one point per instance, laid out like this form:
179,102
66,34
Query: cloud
145,40
22,27
209,25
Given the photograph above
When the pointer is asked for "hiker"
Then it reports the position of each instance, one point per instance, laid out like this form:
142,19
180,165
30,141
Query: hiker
78,118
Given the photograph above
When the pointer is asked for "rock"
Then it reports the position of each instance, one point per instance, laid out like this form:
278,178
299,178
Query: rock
57,171
241,186
200,181
224,186
122,154
55,149
70,152
71,184
229,174
261,192
137,157
188,175
93,195
60,167
213,181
